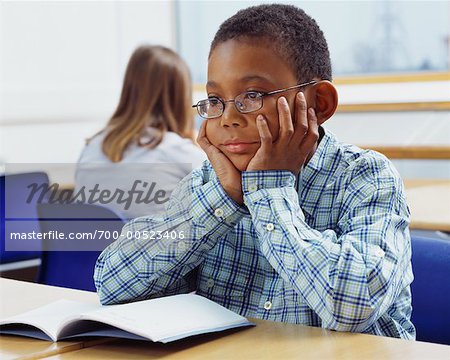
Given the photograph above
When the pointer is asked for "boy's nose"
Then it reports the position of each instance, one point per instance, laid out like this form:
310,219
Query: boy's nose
231,117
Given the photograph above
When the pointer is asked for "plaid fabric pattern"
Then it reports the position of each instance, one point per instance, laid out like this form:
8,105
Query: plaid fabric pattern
330,248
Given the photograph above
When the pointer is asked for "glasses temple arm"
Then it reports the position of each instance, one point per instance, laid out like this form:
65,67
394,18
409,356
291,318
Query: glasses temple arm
291,87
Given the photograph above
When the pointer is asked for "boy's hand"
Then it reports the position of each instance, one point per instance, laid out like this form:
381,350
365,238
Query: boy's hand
297,138
228,175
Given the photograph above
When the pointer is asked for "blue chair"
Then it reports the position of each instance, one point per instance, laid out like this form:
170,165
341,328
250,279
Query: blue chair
18,215
70,262
431,289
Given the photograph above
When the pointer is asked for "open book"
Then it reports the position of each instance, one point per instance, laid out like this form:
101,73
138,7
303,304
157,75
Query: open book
161,320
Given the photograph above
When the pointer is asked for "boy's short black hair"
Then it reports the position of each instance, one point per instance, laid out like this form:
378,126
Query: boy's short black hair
295,35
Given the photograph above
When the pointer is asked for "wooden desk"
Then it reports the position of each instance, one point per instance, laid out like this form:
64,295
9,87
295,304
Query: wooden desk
429,203
17,297
268,340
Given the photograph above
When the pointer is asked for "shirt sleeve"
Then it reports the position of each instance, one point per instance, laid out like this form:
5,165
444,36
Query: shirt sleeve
156,256
349,275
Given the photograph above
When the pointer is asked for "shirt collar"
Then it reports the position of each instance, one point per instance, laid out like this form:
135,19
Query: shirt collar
318,159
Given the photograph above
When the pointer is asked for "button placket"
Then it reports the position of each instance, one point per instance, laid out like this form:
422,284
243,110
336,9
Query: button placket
252,187
380,252
218,212
181,245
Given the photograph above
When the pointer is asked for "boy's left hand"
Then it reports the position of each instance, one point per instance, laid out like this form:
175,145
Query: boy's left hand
296,140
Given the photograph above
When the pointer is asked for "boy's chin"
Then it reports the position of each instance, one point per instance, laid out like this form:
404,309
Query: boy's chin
240,162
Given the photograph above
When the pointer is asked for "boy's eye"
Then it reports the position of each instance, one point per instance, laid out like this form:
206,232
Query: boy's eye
214,101
252,95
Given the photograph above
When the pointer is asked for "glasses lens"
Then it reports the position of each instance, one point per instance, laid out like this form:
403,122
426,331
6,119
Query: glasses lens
248,101
210,108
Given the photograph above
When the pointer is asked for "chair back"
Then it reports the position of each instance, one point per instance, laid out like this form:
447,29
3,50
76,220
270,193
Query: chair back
431,289
79,233
19,217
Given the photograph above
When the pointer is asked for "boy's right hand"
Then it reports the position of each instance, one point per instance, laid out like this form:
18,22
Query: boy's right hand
229,177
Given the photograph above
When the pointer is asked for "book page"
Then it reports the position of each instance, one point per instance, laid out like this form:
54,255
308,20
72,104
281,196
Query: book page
46,318
169,318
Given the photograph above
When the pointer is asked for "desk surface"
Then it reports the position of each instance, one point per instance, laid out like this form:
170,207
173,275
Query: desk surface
265,341
18,297
268,340
429,203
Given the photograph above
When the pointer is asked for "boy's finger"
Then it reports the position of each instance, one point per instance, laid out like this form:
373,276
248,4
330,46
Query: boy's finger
312,135
301,117
213,153
264,134
202,140
285,119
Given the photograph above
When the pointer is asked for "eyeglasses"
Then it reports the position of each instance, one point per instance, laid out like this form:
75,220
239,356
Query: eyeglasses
247,102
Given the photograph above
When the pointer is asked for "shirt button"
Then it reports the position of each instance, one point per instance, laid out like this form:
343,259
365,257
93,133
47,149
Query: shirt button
210,283
270,227
380,252
267,305
252,187
218,212
182,246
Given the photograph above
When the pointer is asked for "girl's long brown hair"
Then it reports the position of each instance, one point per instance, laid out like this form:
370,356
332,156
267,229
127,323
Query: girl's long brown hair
156,97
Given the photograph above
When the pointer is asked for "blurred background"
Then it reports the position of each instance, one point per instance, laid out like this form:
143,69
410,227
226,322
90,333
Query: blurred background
62,64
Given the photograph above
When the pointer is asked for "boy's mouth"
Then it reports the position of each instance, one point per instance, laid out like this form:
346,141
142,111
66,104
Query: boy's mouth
239,146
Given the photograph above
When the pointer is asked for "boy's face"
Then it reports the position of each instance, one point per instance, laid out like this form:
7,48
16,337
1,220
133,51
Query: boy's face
235,67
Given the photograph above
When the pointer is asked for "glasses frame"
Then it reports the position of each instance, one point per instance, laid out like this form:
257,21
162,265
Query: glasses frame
262,95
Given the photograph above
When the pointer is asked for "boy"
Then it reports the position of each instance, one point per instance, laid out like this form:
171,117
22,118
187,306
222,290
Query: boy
283,223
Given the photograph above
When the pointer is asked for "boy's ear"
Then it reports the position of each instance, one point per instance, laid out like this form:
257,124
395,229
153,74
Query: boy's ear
326,100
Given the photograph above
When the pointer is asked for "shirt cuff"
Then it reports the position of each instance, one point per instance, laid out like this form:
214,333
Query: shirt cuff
266,179
214,209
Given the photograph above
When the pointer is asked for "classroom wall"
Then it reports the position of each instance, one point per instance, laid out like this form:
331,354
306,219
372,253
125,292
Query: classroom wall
62,63
61,70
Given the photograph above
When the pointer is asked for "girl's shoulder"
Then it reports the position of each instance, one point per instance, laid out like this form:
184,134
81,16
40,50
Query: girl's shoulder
92,150
177,148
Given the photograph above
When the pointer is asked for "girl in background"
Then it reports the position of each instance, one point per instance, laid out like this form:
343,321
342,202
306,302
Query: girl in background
147,146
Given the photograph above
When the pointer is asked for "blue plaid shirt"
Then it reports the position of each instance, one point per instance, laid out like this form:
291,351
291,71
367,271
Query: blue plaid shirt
330,249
